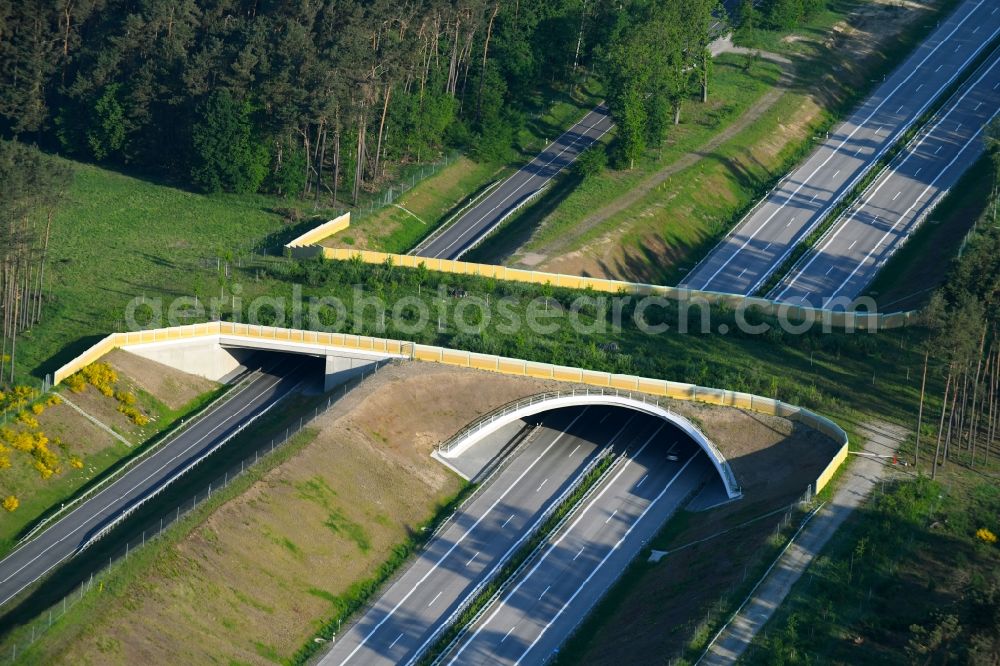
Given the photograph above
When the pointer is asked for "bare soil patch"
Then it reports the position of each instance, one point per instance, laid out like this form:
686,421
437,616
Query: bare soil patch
172,387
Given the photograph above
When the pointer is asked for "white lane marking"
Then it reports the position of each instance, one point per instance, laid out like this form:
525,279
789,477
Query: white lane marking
471,559
580,135
541,484
520,477
556,543
919,87
543,592
975,30
829,270
878,154
977,106
851,247
613,514
897,196
835,174
579,553
603,561
507,521
249,405
860,150
814,197
938,69
641,480
741,274
395,641
959,127
891,229
845,221
517,544
605,417
508,633
900,110
767,247
570,455
996,85
434,599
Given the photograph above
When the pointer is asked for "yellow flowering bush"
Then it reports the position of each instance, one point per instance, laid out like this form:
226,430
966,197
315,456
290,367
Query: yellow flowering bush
10,503
986,535
27,419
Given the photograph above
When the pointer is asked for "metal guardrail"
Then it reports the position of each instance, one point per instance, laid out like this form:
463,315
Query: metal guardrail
477,590
533,556
548,396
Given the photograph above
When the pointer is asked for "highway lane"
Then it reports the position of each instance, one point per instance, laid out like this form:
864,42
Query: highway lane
535,616
846,260
61,540
481,219
411,613
763,240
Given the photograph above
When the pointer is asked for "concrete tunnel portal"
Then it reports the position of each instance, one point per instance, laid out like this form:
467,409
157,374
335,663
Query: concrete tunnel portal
535,407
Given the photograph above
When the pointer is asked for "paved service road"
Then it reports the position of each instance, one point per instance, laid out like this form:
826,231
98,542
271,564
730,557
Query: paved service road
862,240
411,613
763,240
533,618
479,221
62,539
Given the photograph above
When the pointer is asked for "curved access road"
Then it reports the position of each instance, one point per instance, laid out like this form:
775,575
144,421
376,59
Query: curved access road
413,611
61,540
764,239
580,563
847,259
483,218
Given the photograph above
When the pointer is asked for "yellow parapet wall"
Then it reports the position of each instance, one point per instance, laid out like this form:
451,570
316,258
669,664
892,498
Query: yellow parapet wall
306,244
488,362
838,319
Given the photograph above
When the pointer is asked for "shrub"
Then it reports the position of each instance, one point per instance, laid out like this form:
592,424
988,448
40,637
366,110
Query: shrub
10,503
76,463
134,415
37,409
125,397
53,401
102,377
43,470
27,419
986,535
76,383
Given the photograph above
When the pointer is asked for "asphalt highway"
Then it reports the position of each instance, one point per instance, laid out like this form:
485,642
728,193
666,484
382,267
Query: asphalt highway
763,240
846,260
538,612
488,213
61,540
412,612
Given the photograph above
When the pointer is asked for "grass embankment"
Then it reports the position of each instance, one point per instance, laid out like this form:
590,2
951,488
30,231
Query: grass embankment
911,275
414,215
85,453
292,549
905,580
661,236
